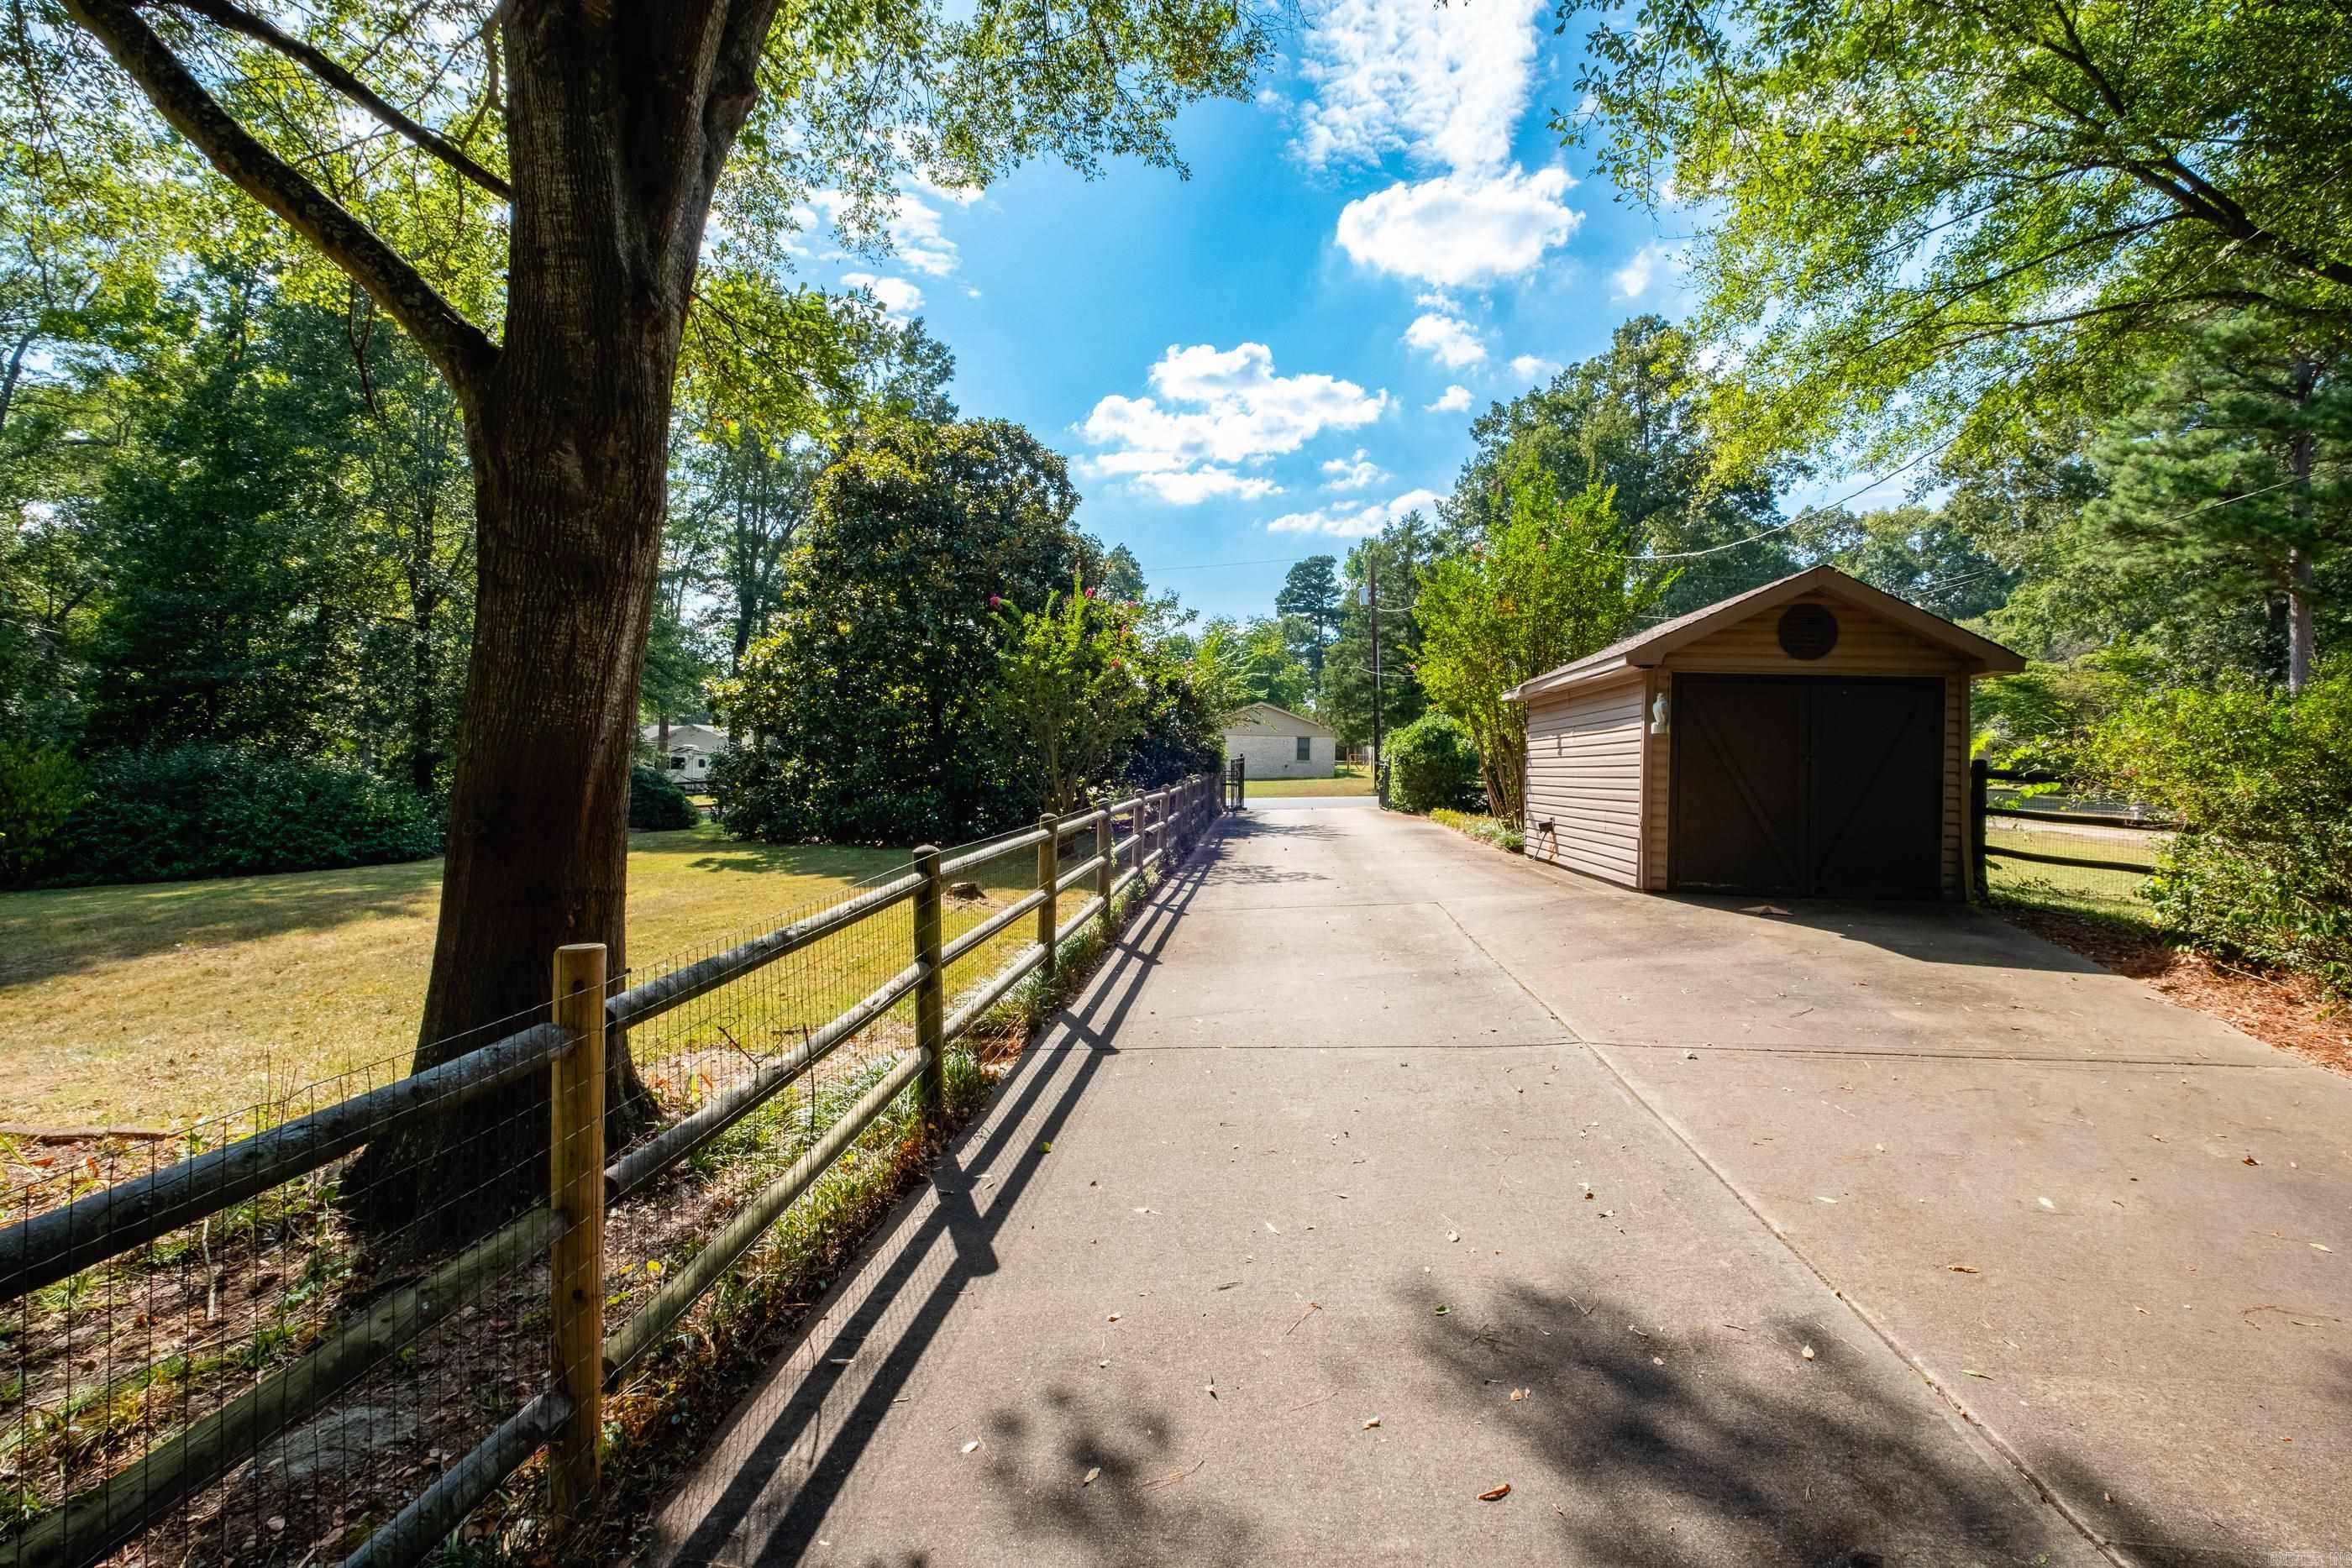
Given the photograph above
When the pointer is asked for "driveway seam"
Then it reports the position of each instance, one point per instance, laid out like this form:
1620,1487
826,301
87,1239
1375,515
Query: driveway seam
1546,1044
1923,1055
1510,974
1294,908
1969,1422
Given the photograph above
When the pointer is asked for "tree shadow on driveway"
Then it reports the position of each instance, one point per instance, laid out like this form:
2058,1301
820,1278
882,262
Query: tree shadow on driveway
1728,1445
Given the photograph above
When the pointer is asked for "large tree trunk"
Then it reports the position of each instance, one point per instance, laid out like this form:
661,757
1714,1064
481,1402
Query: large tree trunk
569,440
2300,635
2301,451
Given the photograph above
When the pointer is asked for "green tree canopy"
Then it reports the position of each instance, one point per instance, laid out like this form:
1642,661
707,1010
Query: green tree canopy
1261,661
1311,598
2233,478
526,189
1917,221
861,712
1398,556
1631,419
1914,553
1547,584
1069,687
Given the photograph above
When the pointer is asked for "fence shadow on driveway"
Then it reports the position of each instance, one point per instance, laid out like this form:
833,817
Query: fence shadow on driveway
789,1453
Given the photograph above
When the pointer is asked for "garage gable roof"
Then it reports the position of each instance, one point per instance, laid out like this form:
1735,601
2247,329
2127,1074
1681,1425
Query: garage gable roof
1270,718
1647,648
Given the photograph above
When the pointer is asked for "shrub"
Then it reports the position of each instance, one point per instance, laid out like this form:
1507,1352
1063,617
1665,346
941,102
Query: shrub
167,813
2263,782
655,801
1431,763
39,788
1485,829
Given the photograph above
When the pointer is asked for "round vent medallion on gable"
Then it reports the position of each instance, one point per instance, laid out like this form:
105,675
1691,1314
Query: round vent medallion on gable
1807,632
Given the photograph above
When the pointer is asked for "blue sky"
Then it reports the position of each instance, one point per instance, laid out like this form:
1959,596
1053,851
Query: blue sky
1262,362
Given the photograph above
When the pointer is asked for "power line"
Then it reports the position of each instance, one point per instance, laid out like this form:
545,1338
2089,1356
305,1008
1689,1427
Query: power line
1219,565
1808,515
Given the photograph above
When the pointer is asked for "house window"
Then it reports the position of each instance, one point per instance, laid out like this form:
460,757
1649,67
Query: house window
1306,749
677,762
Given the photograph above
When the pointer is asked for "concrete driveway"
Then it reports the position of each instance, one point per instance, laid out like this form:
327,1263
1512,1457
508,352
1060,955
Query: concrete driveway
1378,1170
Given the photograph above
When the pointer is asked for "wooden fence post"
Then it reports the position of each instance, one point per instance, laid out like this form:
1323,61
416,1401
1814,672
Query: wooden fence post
932,1087
1049,868
1980,880
576,1190
1160,827
1106,867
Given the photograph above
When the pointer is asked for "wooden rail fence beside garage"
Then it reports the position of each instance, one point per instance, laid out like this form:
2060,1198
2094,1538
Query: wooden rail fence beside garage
1980,777
51,1249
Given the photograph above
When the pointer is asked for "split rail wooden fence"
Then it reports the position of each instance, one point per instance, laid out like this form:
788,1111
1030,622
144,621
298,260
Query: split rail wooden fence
568,1227
1981,775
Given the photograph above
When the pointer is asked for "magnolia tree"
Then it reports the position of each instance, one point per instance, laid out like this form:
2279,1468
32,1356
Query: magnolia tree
528,188
1551,581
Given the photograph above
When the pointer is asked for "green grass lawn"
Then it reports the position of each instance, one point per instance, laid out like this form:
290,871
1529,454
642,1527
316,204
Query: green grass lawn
155,1004
1353,780
2073,890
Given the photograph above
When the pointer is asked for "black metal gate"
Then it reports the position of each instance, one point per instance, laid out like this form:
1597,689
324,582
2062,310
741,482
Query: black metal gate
1810,786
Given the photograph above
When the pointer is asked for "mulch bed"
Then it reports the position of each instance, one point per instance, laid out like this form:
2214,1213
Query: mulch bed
2288,1011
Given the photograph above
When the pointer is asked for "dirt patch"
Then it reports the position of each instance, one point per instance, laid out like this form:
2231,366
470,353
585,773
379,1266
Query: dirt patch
2288,1011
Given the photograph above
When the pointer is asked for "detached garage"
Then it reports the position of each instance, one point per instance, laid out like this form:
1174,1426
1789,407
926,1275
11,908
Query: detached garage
1805,738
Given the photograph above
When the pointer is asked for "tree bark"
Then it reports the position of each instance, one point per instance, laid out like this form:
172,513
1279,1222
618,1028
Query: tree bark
618,124
2300,454
2300,652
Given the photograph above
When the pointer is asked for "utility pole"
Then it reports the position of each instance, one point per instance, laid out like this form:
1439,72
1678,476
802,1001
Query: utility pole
1372,601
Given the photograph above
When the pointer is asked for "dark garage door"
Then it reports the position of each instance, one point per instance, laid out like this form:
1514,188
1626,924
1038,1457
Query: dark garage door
1812,786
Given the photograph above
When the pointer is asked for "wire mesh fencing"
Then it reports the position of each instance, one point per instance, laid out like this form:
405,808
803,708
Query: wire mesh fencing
331,1326
266,1380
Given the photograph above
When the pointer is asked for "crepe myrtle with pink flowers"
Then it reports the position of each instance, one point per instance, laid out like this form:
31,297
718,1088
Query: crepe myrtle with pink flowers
1066,692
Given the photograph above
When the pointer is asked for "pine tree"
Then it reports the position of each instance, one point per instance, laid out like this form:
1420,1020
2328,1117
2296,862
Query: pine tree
2230,476
1311,592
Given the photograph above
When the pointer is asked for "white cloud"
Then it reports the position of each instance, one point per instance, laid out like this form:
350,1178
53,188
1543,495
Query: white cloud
898,295
961,195
1460,228
1191,487
1356,472
1444,85
916,236
1530,367
1634,279
1353,521
1450,340
1453,400
1217,410
911,226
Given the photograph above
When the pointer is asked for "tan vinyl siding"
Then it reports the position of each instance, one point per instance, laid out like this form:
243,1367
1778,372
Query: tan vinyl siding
1657,784
1584,774
1867,644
